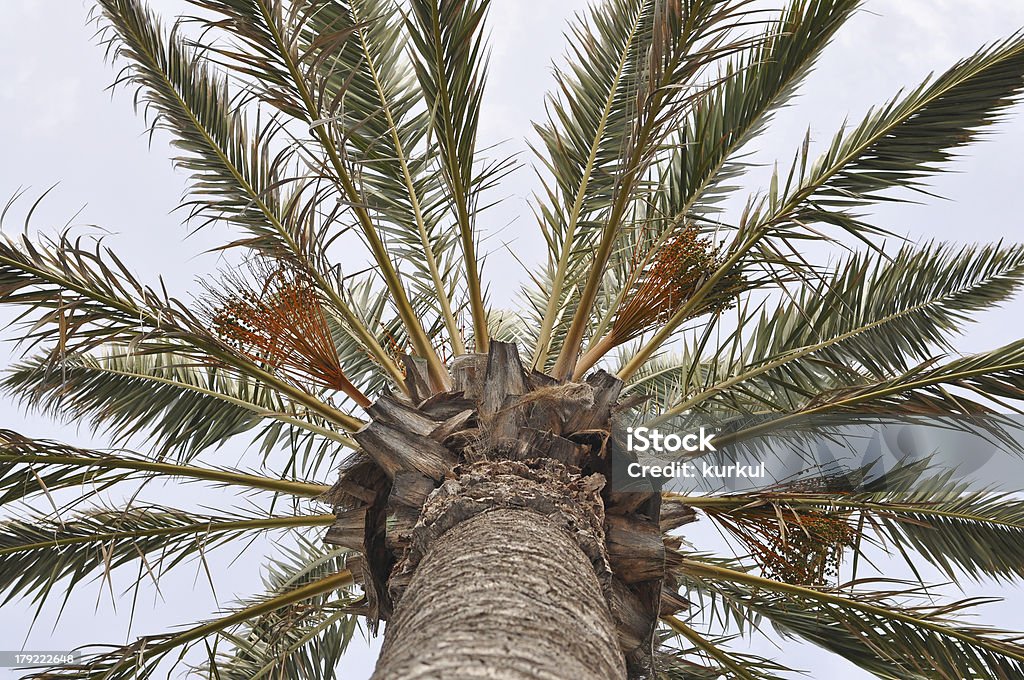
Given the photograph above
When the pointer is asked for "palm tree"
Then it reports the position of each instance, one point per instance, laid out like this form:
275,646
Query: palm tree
461,454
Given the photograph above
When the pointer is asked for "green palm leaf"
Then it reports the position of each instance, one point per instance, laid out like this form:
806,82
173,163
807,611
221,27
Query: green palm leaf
31,466
992,375
869,628
233,177
86,299
449,54
270,35
653,52
706,156
38,551
320,585
908,136
685,41
726,663
184,408
306,642
580,146
827,334
236,173
959,529
365,73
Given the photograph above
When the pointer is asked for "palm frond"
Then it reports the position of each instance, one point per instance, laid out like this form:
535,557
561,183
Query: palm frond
582,139
754,85
871,629
318,585
913,302
300,641
911,137
236,174
83,299
182,407
665,381
39,551
365,73
272,52
684,42
706,155
233,177
31,466
726,663
960,529
924,389
449,53
900,143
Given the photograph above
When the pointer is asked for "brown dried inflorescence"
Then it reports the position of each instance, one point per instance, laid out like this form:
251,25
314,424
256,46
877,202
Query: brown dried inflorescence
804,548
283,326
680,268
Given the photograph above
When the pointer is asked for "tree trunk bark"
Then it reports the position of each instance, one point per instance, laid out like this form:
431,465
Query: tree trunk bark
503,595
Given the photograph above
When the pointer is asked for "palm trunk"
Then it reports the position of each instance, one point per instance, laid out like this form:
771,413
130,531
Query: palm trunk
493,546
504,595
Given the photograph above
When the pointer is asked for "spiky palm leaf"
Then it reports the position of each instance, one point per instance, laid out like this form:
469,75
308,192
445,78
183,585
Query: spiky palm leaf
182,407
910,136
868,627
958,528
825,335
305,641
39,551
314,583
30,466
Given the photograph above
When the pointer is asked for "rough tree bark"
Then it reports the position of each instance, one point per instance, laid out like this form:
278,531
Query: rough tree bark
491,542
504,595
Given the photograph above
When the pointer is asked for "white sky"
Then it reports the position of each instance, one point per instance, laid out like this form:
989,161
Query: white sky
60,125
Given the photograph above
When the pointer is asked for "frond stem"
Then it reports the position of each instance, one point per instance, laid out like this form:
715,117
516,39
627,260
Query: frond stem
267,523
380,253
292,487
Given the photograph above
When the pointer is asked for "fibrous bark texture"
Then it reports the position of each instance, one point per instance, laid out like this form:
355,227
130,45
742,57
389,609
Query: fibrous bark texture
504,595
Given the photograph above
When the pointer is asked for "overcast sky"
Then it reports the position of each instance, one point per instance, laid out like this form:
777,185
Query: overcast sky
59,124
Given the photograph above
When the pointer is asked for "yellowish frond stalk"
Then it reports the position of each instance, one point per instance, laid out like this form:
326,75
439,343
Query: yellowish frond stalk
294,488
454,333
596,352
705,646
381,256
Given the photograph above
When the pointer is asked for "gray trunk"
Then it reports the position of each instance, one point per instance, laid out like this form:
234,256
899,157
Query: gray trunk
504,595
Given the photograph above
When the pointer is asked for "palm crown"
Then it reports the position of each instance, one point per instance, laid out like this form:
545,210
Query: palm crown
317,126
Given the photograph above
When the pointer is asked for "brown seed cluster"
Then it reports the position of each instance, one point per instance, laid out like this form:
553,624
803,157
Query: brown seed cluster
679,269
802,549
282,326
